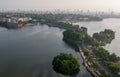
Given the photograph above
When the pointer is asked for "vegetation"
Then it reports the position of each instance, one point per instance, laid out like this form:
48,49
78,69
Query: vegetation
66,64
72,36
64,17
114,58
115,68
96,56
110,60
88,40
105,74
61,25
95,66
78,36
104,55
105,36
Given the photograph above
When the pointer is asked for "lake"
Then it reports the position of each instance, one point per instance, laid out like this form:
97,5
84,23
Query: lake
113,24
28,52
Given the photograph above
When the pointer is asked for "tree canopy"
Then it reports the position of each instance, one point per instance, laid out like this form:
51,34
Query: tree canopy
114,67
66,64
72,36
105,36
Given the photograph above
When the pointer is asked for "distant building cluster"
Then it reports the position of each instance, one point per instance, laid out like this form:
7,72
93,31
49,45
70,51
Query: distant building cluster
14,19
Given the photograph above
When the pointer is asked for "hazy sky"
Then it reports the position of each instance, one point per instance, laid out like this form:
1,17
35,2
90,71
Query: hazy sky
61,4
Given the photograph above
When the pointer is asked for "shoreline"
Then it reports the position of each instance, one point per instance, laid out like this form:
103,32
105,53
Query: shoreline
92,72
86,65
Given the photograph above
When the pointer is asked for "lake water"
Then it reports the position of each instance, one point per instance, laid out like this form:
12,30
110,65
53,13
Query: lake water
113,24
28,52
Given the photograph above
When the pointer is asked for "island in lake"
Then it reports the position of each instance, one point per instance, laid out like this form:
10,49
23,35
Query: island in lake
66,64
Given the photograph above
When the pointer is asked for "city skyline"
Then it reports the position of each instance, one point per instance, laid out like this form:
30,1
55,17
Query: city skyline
43,5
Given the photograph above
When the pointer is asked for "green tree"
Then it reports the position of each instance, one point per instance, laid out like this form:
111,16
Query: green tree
102,53
113,57
66,64
72,36
114,67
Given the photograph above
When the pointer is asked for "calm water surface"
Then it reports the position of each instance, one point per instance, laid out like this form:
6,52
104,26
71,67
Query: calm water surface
28,52
113,24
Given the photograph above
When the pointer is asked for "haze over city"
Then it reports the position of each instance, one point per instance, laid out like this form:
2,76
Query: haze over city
42,5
